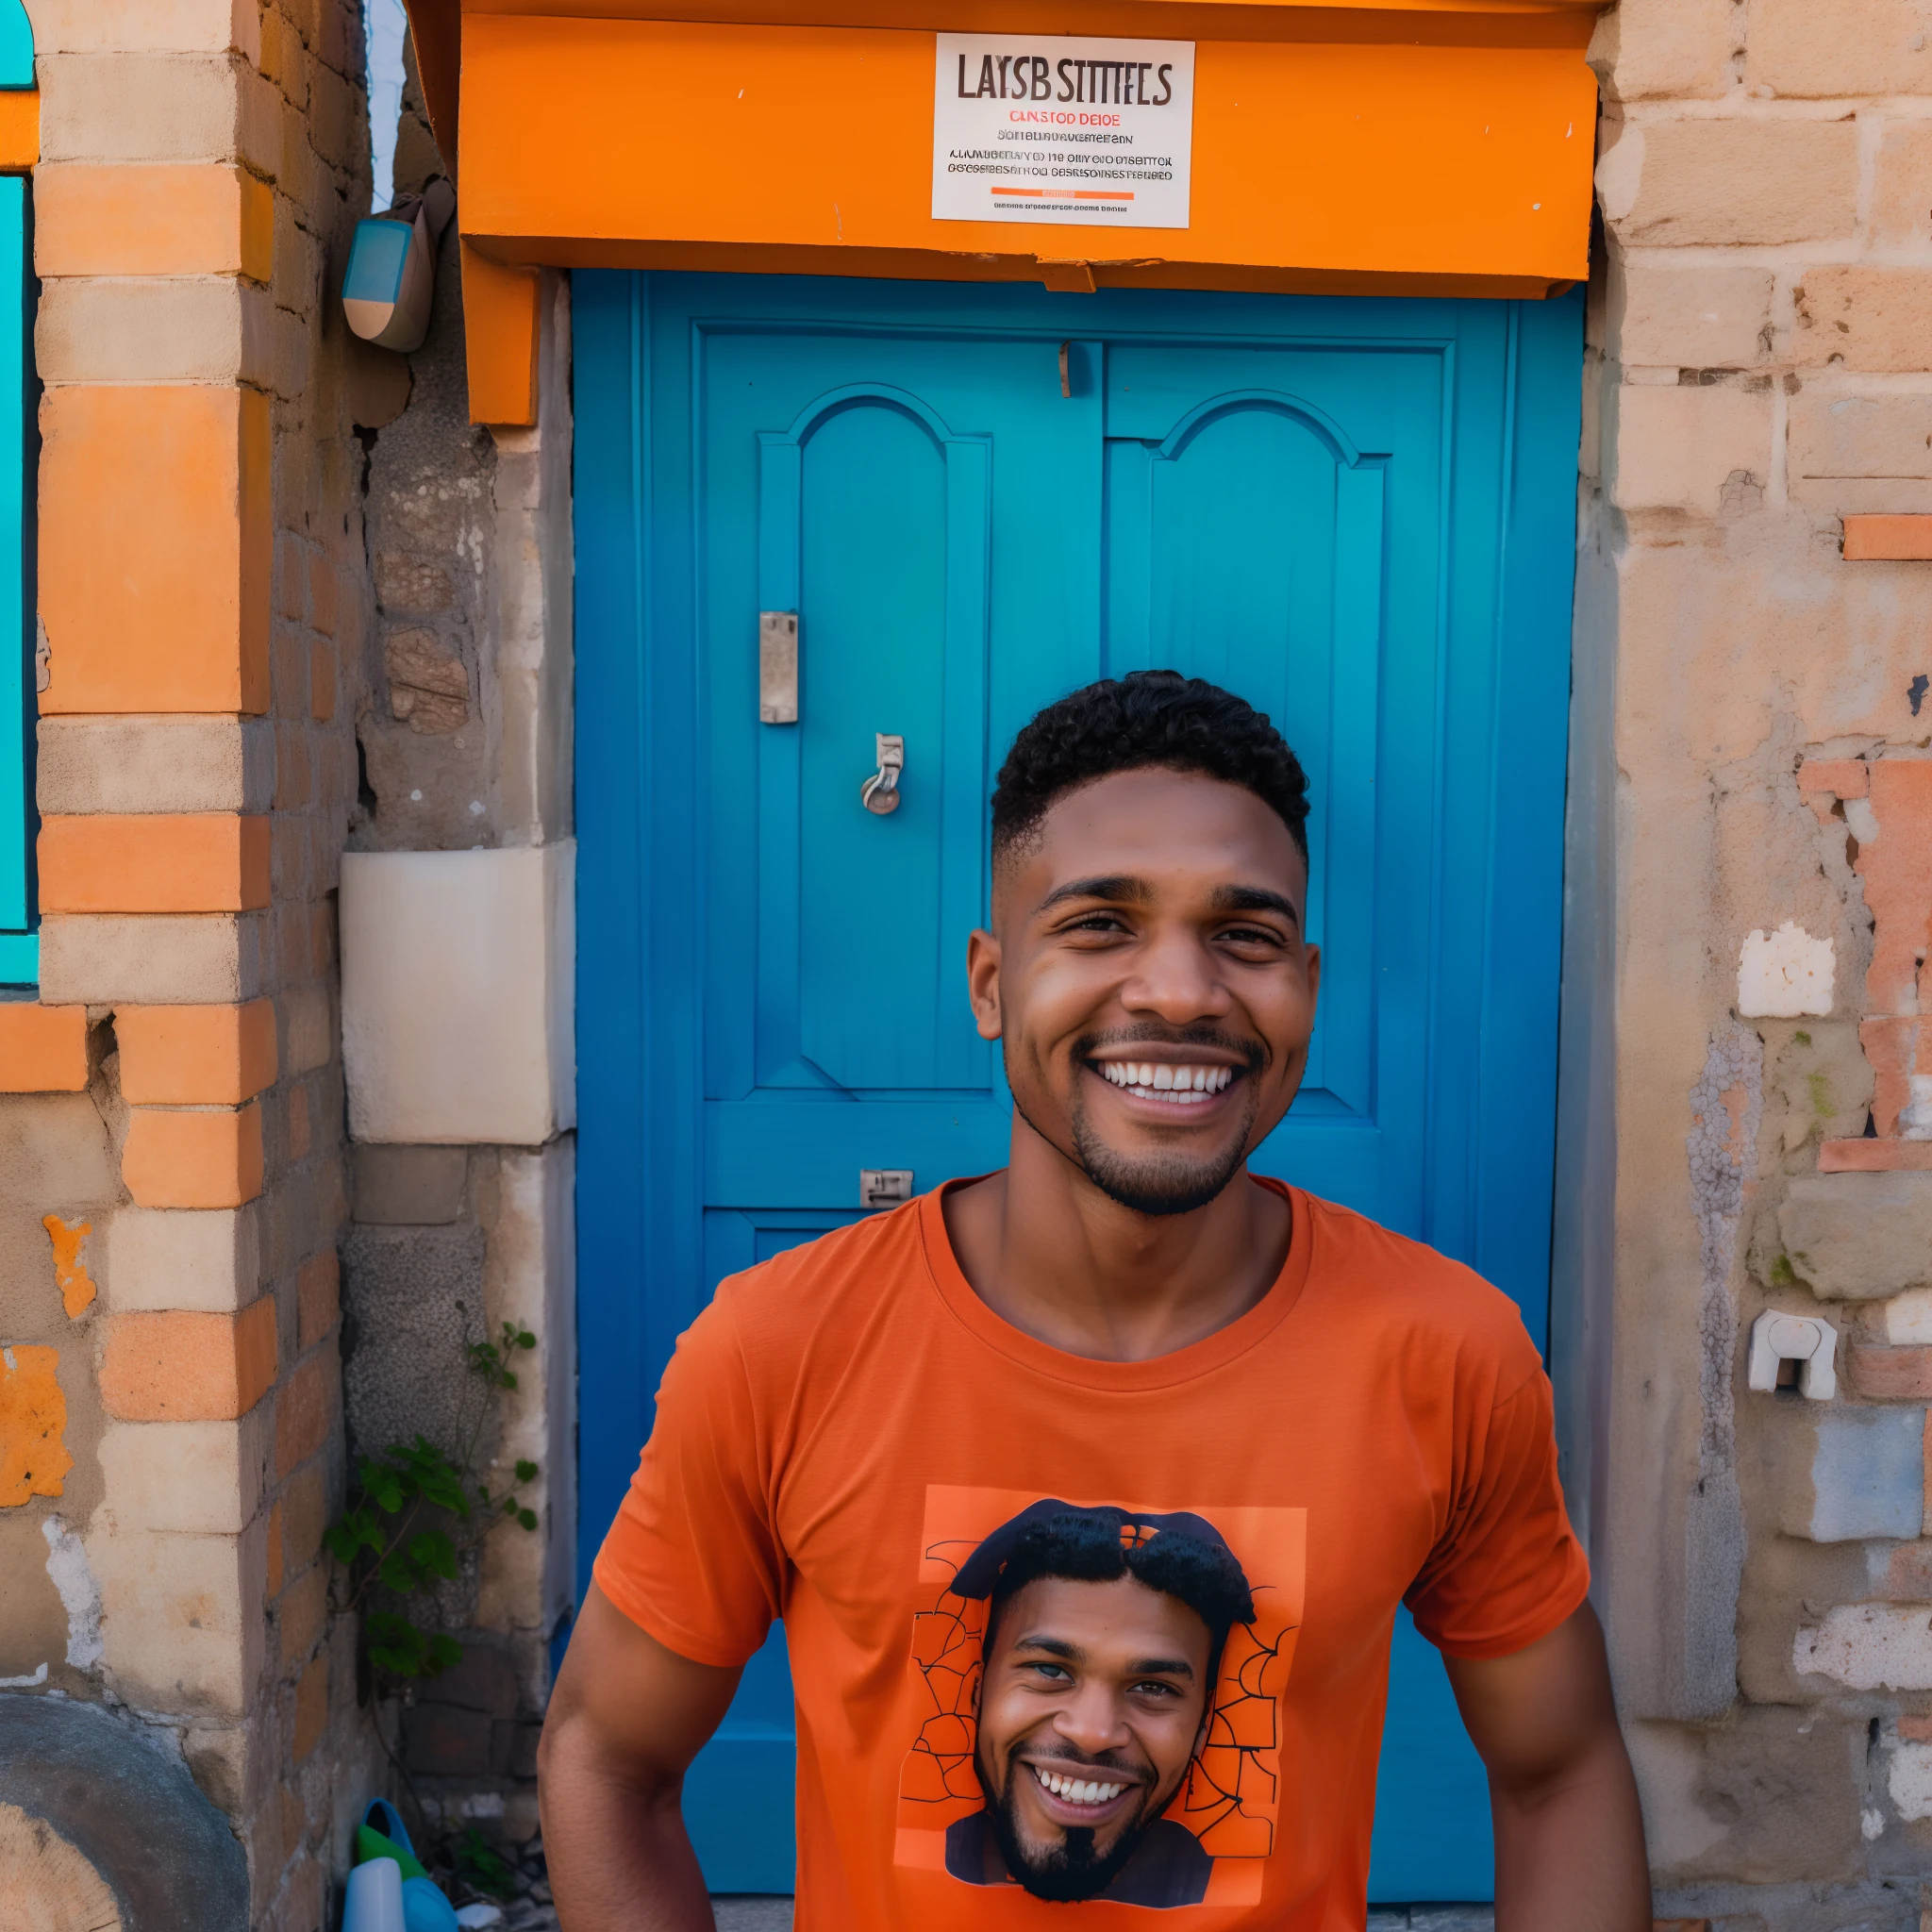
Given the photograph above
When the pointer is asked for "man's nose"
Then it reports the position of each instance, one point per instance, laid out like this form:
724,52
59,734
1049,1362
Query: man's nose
1178,978
1091,1721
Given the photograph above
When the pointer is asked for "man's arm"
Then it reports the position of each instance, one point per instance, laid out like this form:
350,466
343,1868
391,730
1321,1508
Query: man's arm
1569,1834
626,1718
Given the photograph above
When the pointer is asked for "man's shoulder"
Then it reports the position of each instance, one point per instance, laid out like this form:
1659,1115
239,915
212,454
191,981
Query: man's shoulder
1362,1270
845,1271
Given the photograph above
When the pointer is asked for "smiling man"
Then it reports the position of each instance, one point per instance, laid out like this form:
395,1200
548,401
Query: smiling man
1104,1633
1123,1320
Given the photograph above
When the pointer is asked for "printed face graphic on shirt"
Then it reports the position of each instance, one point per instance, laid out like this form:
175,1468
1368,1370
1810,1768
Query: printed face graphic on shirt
1100,1688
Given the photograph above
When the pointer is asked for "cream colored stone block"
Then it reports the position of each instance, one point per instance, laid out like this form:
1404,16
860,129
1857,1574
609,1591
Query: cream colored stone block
1821,48
144,26
138,764
1902,184
1689,318
156,108
1861,452
161,958
1677,448
199,1477
1727,183
1867,318
1909,1780
164,1258
1646,47
1909,1318
183,1620
1870,1647
1784,973
526,1201
155,328
458,994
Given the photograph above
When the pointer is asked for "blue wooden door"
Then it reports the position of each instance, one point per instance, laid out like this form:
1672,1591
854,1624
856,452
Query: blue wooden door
1358,514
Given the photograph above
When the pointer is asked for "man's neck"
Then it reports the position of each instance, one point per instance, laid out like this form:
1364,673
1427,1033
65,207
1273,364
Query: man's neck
1048,1252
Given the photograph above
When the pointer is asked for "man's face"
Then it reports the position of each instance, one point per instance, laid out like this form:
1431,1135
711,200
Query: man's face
1152,983
1093,1700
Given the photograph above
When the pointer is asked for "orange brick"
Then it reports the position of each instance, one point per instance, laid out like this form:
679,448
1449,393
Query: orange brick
176,1159
323,612
196,1055
301,1614
171,483
135,220
299,1132
1876,1156
1916,1730
318,1296
1892,1375
187,1365
1896,868
311,1708
304,1515
1841,777
305,1409
1881,538
1892,1048
321,682
42,1049
212,861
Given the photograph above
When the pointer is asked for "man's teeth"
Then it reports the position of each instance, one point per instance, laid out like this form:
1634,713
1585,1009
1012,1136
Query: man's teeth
1156,1079
1076,1790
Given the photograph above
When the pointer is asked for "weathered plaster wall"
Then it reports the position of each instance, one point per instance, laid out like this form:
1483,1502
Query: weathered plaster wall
170,1140
463,705
1752,750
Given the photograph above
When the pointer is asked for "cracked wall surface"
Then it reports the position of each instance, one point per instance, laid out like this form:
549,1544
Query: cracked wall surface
1752,821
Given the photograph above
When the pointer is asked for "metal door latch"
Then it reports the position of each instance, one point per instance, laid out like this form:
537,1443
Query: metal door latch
778,667
884,1187
880,792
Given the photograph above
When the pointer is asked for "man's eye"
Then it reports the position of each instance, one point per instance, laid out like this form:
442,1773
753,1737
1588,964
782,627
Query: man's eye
1251,936
1154,1687
1054,1674
1096,922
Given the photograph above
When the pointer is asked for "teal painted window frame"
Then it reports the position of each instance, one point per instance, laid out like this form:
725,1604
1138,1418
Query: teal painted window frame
20,944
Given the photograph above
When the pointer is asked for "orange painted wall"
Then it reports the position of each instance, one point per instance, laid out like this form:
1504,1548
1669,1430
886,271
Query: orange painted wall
626,141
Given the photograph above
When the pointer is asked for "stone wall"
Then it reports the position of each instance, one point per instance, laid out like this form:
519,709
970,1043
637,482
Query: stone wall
462,707
1752,899
172,1180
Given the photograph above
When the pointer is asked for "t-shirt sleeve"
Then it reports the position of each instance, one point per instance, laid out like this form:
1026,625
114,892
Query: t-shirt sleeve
1508,1568
693,1556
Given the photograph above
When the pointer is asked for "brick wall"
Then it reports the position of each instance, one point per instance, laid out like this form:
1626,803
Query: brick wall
171,1203
1751,758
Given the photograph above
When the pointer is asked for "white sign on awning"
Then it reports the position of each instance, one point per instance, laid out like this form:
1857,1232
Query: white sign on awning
1095,134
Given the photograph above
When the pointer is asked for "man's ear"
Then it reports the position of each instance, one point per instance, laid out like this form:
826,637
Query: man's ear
983,983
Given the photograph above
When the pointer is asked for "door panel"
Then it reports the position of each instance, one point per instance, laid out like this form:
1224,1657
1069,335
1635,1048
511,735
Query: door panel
1356,513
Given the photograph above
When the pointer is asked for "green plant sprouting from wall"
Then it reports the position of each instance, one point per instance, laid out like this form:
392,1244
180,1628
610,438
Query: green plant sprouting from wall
415,1514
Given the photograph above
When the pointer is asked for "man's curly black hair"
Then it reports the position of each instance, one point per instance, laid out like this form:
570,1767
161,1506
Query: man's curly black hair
1147,718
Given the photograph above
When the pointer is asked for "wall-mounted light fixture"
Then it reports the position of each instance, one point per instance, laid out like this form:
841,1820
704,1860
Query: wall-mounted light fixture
392,273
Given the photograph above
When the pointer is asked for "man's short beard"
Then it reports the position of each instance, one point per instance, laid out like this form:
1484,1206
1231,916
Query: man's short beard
1070,1871
1157,1182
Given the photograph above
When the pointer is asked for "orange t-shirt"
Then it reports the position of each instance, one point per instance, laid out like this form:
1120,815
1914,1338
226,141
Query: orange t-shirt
846,1422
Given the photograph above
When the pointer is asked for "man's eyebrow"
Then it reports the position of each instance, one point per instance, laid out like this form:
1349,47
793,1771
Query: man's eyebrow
1256,899
1120,887
1161,1667
1053,1646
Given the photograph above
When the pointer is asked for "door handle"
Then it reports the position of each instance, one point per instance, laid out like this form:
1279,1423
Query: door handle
880,792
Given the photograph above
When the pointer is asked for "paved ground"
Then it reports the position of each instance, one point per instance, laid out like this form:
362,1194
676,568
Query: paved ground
775,1915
